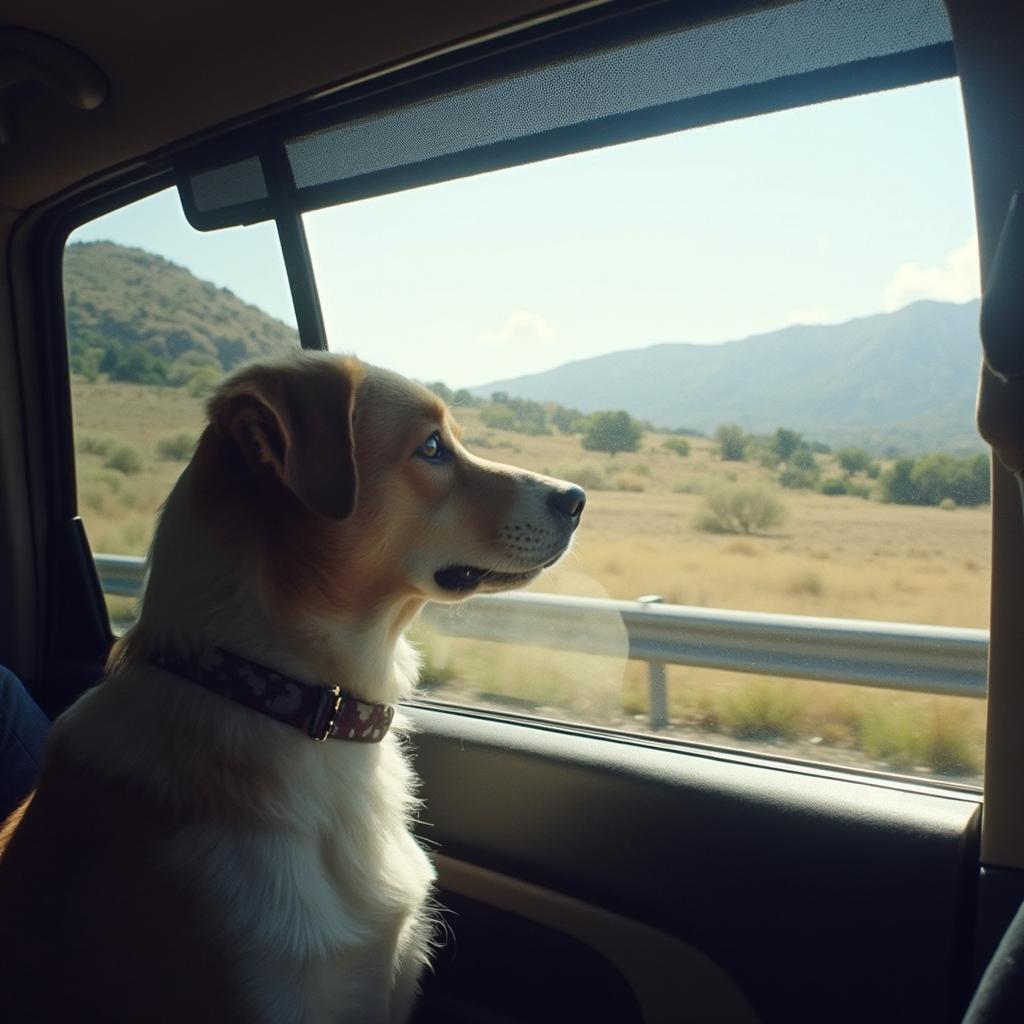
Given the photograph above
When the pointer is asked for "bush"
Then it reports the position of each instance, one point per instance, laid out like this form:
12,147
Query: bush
732,442
630,482
124,459
803,458
568,421
176,448
794,479
202,381
135,364
908,737
92,444
590,478
516,414
930,478
86,360
808,582
679,445
740,508
442,391
853,460
784,443
612,432
832,486
761,711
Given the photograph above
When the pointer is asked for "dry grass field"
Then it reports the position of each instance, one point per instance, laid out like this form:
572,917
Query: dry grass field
835,556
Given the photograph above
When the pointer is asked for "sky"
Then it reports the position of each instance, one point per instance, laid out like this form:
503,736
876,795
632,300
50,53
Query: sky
814,215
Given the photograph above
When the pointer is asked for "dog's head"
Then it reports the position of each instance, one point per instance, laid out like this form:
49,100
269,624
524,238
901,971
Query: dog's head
363,489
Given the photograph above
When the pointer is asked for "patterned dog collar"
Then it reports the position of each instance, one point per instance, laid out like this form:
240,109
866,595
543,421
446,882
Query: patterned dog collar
322,712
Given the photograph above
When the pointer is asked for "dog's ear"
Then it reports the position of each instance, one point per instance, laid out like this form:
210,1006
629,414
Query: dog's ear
296,424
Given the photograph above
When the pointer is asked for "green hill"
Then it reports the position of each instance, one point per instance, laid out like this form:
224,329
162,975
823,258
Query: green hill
140,317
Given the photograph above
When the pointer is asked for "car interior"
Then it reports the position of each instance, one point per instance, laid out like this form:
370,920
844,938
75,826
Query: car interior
589,874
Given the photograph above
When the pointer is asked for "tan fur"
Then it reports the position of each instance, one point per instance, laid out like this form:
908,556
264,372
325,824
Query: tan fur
184,858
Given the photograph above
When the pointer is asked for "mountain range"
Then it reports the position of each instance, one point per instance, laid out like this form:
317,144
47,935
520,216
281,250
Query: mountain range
904,380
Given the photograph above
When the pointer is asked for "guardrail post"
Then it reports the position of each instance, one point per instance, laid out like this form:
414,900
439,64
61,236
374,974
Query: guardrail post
656,689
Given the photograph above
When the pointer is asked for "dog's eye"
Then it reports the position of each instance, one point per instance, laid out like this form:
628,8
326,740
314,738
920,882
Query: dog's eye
433,450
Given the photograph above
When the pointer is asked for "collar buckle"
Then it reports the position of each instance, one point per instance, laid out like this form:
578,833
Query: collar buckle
331,701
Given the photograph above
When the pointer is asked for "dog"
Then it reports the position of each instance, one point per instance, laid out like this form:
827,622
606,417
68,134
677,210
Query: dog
222,828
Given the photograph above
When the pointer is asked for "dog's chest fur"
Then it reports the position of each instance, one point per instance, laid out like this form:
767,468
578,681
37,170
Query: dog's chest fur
298,852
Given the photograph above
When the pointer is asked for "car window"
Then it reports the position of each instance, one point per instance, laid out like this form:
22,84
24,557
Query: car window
152,326
755,345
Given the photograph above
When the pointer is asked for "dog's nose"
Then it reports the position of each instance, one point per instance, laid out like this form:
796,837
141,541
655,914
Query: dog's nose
569,502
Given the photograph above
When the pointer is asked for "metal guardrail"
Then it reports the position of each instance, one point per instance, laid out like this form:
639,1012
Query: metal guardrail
926,659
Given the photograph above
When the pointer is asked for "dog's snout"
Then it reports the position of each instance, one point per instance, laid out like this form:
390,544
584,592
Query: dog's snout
569,502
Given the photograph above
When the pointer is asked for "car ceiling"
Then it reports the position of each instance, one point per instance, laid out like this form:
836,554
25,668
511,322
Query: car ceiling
179,69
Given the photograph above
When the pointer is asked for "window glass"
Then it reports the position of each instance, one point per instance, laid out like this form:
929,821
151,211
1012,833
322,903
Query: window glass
156,314
755,346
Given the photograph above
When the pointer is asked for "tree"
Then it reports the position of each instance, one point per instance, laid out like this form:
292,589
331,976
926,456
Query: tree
441,390
803,458
86,361
935,477
853,460
898,484
732,442
518,414
612,432
785,442
136,364
568,421
803,471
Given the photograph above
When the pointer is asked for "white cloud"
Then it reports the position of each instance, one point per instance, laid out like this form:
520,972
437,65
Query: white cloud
520,329
955,279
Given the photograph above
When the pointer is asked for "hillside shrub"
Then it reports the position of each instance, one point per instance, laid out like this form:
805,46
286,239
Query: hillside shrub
732,442
176,448
853,460
803,471
803,458
798,479
568,421
202,381
86,360
761,711
740,508
630,482
832,486
589,477
784,443
516,414
612,431
930,478
135,364
124,459
679,445
94,444
906,738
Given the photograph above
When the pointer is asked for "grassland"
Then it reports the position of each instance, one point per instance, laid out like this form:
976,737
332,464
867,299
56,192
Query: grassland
837,556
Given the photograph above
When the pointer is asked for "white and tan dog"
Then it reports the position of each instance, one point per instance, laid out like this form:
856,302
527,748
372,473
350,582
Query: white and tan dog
188,858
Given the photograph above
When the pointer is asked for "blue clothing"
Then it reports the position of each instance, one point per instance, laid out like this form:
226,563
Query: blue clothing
23,729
